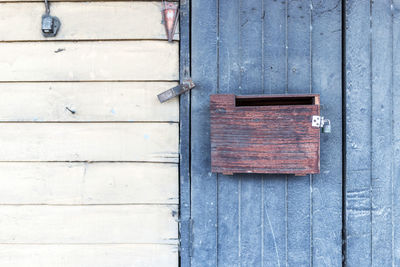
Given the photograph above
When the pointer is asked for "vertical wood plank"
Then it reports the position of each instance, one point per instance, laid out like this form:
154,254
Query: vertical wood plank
299,81
396,134
274,187
358,134
204,183
327,186
184,136
251,225
381,120
228,186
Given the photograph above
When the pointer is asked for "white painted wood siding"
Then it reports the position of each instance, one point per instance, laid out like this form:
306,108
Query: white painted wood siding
89,157
91,101
97,20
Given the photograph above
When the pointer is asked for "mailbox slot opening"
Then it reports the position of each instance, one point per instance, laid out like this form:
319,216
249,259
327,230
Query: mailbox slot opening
243,101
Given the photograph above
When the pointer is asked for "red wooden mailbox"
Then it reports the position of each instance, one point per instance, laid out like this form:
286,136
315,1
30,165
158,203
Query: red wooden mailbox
265,134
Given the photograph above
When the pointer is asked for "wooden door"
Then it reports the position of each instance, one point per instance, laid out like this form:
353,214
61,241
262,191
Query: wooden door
263,47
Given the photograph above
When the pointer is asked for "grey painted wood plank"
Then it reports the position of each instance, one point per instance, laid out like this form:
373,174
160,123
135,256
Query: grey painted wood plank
358,134
228,221
204,183
251,224
299,188
228,186
381,182
327,186
396,134
184,136
396,170
275,52
274,186
250,31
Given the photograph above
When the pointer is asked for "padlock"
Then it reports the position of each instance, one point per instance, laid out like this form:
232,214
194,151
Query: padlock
327,126
50,25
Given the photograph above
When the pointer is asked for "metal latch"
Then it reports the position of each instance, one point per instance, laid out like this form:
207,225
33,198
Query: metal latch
321,122
50,24
177,90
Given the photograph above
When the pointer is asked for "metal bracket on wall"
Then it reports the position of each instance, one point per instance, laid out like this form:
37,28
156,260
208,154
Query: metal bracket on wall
321,122
50,24
177,90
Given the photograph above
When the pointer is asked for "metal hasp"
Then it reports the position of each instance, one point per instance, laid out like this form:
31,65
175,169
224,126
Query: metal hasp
321,122
265,134
50,24
177,90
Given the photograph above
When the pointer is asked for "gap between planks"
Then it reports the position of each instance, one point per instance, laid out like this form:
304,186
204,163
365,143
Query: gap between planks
88,205
88,122
73,1
87,40
85,244
86,161
93,81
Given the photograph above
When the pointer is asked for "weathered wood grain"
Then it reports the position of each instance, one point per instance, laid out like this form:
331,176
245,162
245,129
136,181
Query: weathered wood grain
148,255
89,61
84,21
228,196
358,134
274,186
89,142
263,139
381,133
327,186
184,138
299,198
88,183
259,221
250,82
204,184
396,134
123,224
86,101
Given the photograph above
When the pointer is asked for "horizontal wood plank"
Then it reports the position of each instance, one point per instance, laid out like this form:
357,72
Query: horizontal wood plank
86,101
89,255
84,21
123,224
88,183
89,142
89,61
